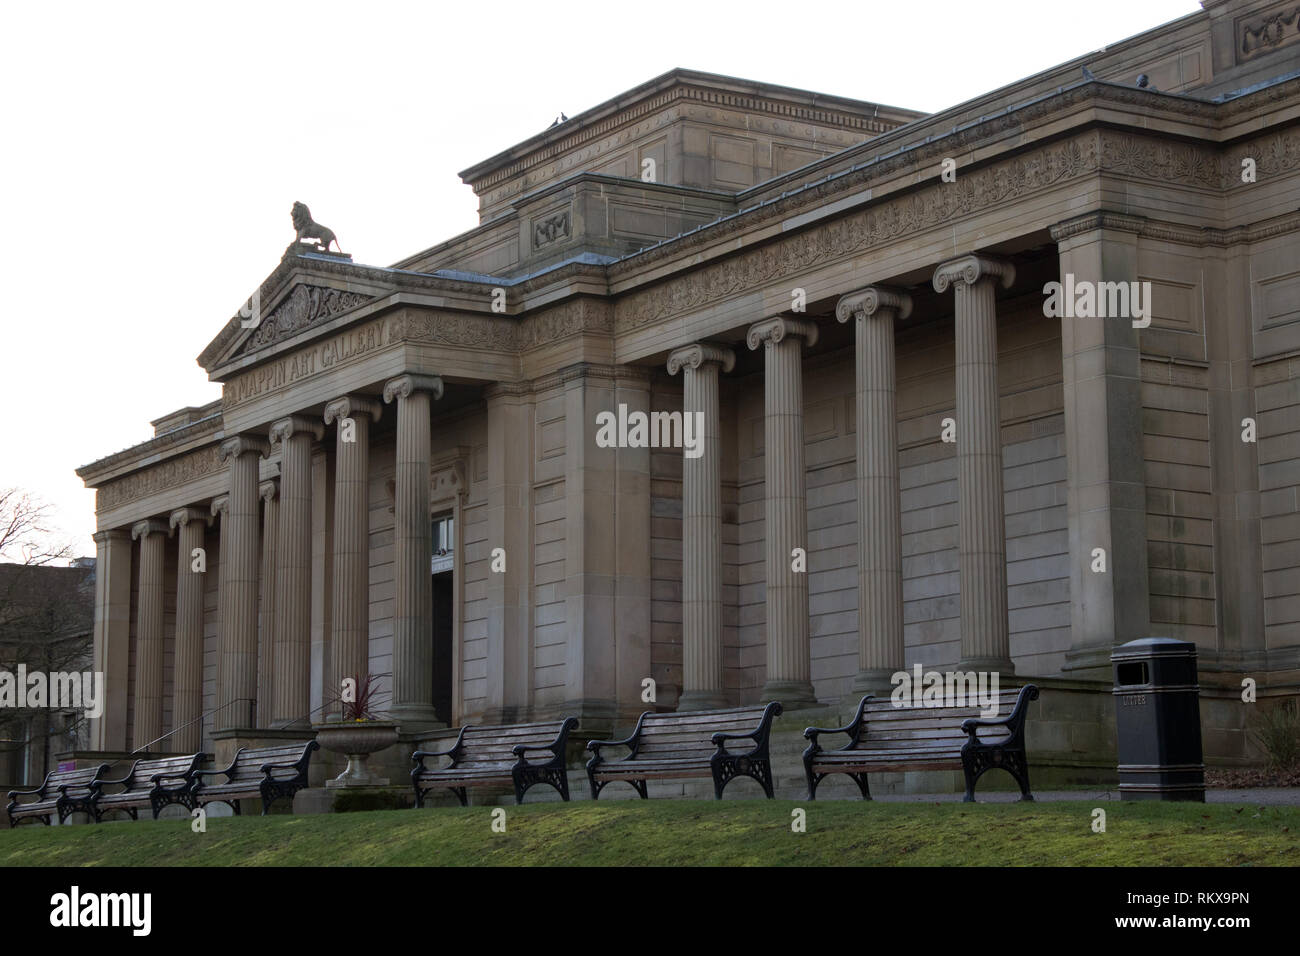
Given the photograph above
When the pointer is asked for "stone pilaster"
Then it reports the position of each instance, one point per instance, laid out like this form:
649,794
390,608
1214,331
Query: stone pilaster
149,637
412,550
240,567
789,662
509,678
292,658
220,510
981,531
270,492
188,525
350,611
112,636
1106,482
880,527
703,685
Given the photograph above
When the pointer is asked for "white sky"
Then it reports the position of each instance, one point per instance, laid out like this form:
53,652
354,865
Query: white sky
149,154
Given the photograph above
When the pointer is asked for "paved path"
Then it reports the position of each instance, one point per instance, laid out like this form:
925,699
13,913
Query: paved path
1259,796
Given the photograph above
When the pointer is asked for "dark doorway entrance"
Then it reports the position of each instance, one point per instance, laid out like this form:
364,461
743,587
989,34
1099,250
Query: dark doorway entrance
443,596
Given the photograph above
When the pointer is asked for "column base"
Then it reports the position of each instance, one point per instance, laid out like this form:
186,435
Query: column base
793,694
1001,665
702,700
416,719
875,681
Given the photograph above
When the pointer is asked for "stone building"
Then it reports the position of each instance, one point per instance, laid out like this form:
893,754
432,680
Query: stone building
404,477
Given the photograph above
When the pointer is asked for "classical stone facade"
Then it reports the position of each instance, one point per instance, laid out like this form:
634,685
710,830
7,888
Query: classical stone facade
403,476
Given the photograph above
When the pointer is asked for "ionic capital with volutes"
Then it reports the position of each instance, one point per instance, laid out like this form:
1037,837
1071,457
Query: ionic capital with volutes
404,385
244,445
183,516
872,301
693,356
349,406
286,428
973,269
775,330
147,527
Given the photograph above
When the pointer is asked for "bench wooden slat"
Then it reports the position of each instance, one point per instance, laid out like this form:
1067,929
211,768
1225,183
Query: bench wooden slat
889,737
671,745
484,755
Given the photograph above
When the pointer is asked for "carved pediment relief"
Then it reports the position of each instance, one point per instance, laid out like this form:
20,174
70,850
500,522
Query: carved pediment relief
305,306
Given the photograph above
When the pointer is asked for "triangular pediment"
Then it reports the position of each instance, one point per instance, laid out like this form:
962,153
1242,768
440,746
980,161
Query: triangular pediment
306,291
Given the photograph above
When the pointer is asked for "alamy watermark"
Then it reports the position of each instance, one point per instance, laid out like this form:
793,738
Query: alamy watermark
953,689
60,690
639,429
1098,300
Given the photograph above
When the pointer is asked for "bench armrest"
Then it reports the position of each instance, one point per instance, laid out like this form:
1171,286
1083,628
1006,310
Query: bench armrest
1014,721
595,745
720,736
199,774
419,755
288,765
520,749
811,733
159,777
24,793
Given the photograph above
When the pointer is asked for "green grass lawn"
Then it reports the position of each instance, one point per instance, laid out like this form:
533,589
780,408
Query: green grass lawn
685,833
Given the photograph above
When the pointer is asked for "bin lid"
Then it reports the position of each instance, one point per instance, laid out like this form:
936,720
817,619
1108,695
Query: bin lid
1149,647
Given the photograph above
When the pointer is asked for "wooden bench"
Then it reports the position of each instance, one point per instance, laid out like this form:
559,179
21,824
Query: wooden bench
63,792
154,783
268,772
689,744
493,756
883,736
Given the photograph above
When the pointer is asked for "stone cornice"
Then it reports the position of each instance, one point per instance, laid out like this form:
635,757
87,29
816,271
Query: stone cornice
1173,231
874,300
695,355
973,269
775,330
210,424
160,476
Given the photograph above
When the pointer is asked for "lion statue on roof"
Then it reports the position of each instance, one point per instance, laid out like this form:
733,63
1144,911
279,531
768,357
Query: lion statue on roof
310,231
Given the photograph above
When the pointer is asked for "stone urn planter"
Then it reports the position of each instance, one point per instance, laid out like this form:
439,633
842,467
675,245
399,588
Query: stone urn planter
357,740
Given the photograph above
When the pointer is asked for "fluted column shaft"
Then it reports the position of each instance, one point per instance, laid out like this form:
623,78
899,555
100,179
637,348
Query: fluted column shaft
703,685
981,530
188,525
412,550
148,728
240,544
292,659
350,612
789,658
270,493
880,545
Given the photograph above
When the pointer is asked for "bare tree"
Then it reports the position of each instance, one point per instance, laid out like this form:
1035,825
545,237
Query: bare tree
46,619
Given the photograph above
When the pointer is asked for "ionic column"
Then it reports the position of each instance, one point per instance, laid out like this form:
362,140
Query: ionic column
240,543
703,687
112,637
985,645
149,634
270,492
188,525
789,661
412,550
292,658
220,509
350,621
880,526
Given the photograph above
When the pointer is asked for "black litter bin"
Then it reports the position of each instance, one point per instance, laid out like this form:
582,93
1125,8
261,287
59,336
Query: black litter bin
1158,720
